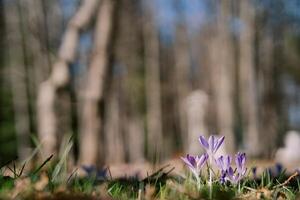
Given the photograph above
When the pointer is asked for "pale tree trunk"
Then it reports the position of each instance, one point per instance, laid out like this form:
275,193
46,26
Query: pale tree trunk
182,67
196,109
59,77
39,35
153,95
135,131
248,87
223,75
36,40
93,94
206,42
18,77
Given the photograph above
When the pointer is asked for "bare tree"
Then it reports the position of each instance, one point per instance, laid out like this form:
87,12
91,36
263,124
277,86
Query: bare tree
222,64
153,96
182,70
93,94
59,77
248,87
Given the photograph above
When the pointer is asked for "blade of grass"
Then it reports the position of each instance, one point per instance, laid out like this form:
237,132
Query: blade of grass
42,165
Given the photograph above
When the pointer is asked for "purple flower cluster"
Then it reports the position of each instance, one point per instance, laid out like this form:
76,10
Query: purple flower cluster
224,163
227,171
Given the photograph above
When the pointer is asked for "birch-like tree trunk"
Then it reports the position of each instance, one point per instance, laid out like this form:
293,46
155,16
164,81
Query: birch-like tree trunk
223,75
59,77
93,94
153,95
196,108
182,69
248,87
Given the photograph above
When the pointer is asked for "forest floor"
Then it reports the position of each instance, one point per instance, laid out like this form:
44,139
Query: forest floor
171,180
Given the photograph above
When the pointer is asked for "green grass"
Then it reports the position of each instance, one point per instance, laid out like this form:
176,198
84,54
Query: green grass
49,180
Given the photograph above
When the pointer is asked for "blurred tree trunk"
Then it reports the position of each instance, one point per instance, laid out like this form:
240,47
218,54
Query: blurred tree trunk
206,78
40,16
182,70
59,77
7,125
269,64
130,80
170,115
18,75
93,94
223,74
114,135
247,76
153,95
196,108
268,113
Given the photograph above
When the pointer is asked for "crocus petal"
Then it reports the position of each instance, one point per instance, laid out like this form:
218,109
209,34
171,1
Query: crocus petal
211,142
187,162
219,161
223,162
219,143
191,159
243,159
230,171
203,142
240,161
228,162
202,159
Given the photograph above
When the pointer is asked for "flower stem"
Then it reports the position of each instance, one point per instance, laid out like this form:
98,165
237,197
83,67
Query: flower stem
210,177
198,183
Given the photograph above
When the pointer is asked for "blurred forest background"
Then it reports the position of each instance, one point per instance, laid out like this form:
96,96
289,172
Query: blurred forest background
137,80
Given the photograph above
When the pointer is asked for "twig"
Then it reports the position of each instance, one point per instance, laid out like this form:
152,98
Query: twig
288,180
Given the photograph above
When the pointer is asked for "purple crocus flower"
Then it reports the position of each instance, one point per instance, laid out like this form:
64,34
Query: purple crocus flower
240,161
224,164
195,163
234,176
212,144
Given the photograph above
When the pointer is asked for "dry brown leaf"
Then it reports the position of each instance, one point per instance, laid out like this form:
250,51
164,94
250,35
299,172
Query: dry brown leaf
20,186
42,182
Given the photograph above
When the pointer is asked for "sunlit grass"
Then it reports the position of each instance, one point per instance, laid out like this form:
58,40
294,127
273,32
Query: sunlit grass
159,185
50,179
